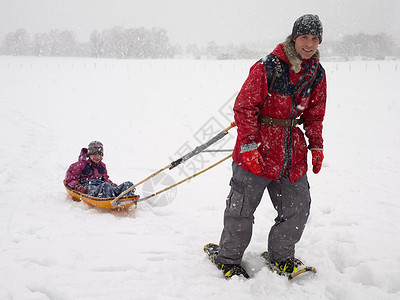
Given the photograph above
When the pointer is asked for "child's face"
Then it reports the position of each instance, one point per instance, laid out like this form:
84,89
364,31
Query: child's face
96,158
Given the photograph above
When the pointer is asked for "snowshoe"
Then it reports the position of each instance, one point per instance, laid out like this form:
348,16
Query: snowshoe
289,268
232,270
228,270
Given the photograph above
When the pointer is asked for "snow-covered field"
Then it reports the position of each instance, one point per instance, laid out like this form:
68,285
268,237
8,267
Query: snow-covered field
149,112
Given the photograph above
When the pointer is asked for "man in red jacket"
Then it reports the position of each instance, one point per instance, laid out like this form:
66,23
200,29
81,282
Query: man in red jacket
285,89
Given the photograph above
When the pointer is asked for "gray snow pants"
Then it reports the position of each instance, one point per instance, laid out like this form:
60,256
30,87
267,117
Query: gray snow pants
291,201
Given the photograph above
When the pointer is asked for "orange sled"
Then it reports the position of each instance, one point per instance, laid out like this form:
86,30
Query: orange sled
103,203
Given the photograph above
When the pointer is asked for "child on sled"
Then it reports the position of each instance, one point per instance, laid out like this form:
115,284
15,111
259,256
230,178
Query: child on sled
89,175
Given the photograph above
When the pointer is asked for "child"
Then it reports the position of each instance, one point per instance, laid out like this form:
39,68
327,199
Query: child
89,174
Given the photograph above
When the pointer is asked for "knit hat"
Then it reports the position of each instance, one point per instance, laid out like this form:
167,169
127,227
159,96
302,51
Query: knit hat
95,147
307,24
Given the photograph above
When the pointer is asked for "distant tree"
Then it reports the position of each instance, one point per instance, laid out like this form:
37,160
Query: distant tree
17,43
212,49
377,46
131,43
42,45
193,50
245,53
141,48
66,43
96,44
176,50
159,42
110,42
55,43
384,46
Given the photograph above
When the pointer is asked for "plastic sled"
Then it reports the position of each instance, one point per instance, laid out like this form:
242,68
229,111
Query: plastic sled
103,203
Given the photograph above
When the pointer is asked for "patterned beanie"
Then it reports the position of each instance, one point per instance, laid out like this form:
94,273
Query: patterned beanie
95,147
307,24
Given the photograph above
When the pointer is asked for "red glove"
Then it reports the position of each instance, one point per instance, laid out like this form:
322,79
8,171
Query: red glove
80,189
254,161
317,158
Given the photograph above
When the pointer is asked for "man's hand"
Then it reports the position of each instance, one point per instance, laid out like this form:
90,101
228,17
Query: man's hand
317,158
254,161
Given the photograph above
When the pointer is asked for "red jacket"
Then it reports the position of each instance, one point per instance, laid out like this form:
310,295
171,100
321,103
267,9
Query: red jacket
283,149
85,169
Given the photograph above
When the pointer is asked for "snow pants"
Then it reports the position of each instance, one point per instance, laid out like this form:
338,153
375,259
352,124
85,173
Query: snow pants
291,201
102,189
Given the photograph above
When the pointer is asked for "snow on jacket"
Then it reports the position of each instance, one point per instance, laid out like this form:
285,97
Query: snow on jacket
299,91
85,169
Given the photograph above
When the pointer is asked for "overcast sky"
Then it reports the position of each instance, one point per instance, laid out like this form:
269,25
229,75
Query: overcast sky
200,21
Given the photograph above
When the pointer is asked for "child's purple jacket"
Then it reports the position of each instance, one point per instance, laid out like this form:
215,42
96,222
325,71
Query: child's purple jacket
85,169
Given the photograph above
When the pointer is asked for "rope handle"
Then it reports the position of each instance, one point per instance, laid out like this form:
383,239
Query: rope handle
177,162
186,179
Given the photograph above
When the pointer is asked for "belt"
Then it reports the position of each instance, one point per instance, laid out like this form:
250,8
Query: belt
265,120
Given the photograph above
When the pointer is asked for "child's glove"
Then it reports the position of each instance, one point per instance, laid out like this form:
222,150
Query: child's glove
317,158
254,161
81,189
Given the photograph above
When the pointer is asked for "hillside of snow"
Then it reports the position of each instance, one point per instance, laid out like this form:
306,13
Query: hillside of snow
150,112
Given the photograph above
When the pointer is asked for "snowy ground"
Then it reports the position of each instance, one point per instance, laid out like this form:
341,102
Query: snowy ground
148,113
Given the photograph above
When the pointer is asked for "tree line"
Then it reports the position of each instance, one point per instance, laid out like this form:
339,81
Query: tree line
114,43
141,43
372,46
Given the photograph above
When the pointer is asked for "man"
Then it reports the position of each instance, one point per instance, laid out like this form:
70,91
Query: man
282,91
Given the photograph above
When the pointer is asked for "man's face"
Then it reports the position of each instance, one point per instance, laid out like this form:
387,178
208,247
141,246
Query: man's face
306,45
